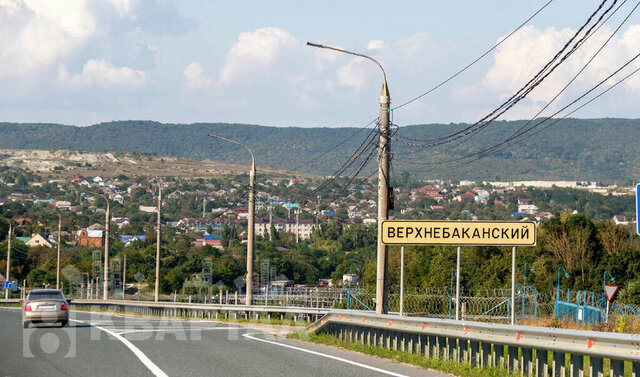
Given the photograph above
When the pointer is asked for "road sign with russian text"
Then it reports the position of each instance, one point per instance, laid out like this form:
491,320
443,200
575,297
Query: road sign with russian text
610,290
7,284
470,233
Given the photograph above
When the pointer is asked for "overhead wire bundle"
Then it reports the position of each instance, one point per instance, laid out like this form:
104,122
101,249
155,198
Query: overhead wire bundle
564,53
526,128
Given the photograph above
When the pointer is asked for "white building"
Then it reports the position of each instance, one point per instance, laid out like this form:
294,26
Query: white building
303,227
529,209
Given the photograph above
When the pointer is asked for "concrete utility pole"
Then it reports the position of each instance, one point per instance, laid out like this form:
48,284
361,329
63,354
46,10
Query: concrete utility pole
105,284
158,234
124,275
297,225
252,218
7,275
384,149
204,205
270,223
58,264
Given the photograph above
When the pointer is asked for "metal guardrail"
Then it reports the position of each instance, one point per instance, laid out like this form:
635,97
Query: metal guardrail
487,344
194,310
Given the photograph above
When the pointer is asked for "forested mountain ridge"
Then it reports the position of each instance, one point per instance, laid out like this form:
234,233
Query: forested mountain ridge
572,149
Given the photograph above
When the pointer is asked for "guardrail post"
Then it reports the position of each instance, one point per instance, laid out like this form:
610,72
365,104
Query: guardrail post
542,363
463,350
432,346
526,363
442,347
485,358
577,366
475,353
451,349
512,361
498,355
617,368
413,343
635,369
387,339
394,340
559,364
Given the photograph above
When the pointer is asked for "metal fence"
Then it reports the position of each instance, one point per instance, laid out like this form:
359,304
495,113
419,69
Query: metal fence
530,350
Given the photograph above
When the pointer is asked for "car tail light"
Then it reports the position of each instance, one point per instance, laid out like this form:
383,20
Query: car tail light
63,307
27,307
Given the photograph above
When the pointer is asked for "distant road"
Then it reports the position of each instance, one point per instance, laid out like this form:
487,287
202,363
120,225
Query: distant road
115,345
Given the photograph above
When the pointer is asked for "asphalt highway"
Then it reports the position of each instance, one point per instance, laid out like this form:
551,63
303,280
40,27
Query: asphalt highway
97,344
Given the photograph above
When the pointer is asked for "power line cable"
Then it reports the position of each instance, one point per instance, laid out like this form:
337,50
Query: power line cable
335,146
362,148
557,94
362,166
474,61
523,91
504,142
578,45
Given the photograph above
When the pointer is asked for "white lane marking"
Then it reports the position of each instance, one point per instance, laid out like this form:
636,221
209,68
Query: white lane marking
249,336
143,358
181,329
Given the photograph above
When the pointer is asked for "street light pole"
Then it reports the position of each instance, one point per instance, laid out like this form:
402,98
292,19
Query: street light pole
566,274
105,289
7,276
252,216
156,292
58,262
384,149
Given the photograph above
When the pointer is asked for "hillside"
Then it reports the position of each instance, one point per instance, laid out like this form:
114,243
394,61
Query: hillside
596,149
64,164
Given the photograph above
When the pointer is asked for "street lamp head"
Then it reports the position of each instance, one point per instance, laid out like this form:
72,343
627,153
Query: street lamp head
532,270
566,274
315,45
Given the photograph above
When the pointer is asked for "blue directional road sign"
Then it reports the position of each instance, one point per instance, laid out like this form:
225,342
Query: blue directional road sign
7,284
638,208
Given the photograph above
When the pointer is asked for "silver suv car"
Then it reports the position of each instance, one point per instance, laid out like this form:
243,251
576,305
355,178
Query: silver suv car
45,305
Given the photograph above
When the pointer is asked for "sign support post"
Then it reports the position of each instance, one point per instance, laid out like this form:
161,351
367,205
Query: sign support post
638,208
513,286
458,284
402,280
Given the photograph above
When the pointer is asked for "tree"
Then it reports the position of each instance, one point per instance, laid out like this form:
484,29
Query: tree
613,238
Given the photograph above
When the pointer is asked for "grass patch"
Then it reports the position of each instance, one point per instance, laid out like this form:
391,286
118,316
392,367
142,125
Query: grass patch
457,369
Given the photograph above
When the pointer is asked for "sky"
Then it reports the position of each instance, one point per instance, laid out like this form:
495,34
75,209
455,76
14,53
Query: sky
82,62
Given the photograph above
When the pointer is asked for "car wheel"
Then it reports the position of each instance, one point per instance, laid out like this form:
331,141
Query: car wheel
25,324
65,324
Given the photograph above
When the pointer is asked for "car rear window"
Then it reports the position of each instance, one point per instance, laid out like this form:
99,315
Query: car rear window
45,296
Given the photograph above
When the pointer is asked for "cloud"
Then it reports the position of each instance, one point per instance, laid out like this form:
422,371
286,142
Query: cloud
195,78
353,74
252,52
103,74
34,34
375,45
123,7
518,59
